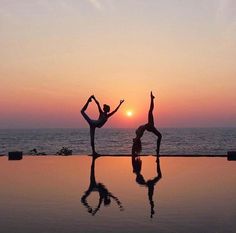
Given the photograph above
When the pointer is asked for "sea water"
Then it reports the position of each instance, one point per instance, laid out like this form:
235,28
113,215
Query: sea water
119,141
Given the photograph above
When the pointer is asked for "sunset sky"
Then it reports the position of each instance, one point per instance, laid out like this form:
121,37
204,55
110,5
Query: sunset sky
55,54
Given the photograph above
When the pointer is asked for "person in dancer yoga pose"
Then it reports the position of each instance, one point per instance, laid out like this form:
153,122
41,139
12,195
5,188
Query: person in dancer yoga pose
104,115
105,196
137,145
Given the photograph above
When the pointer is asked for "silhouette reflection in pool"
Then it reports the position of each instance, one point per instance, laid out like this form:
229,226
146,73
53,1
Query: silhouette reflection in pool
137,167
105,196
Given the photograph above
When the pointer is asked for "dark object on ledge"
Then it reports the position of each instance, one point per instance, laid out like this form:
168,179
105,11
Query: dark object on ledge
64,151
15,155
231,155
35,152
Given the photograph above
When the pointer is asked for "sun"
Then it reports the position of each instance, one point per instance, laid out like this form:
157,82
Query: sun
129,113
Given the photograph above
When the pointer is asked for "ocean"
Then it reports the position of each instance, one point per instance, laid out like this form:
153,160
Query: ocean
119,141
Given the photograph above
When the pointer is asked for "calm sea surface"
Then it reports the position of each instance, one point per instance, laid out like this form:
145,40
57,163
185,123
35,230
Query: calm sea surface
119,141
48,194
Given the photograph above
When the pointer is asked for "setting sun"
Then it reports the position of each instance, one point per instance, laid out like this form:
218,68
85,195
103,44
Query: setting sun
129,113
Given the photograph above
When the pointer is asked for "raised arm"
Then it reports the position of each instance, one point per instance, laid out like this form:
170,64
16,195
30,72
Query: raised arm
110,114
99,107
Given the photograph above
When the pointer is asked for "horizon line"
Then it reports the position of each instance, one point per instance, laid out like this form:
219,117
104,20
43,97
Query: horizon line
167,127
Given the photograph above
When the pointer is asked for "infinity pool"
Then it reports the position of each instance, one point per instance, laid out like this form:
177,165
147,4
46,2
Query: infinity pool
76,194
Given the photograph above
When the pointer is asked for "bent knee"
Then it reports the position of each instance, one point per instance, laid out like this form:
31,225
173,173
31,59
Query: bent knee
83,113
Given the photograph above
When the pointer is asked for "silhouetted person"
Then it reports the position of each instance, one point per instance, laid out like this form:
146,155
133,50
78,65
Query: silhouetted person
137,145
137,167
104,195
103,117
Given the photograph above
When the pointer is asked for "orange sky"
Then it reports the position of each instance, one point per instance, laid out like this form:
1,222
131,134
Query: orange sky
55,55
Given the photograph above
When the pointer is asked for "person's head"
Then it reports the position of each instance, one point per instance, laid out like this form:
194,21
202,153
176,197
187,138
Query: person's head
106,108
107,201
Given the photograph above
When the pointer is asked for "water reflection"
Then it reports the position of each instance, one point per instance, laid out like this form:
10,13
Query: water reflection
137,168
105,196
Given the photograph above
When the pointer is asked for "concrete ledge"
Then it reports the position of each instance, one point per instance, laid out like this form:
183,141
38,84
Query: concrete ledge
164,155
18,155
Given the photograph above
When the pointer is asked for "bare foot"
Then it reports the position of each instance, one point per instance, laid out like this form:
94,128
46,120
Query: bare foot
152,96
95,154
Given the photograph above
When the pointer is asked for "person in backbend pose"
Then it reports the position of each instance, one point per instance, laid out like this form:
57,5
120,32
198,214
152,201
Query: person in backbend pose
149,184
137,146
105,196
103,117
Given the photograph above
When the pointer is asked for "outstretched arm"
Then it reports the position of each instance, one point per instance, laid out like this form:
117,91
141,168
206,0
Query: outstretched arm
110,114
118,202
99,107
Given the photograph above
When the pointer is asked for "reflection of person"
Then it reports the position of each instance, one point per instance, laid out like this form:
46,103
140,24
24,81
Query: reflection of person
103,117
104,195
137,167
137,146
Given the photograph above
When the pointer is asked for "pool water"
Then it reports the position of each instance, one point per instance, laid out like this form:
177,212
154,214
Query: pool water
112,194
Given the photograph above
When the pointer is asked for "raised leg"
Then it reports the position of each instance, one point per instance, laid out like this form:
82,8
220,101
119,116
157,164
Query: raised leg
150,114
86,117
